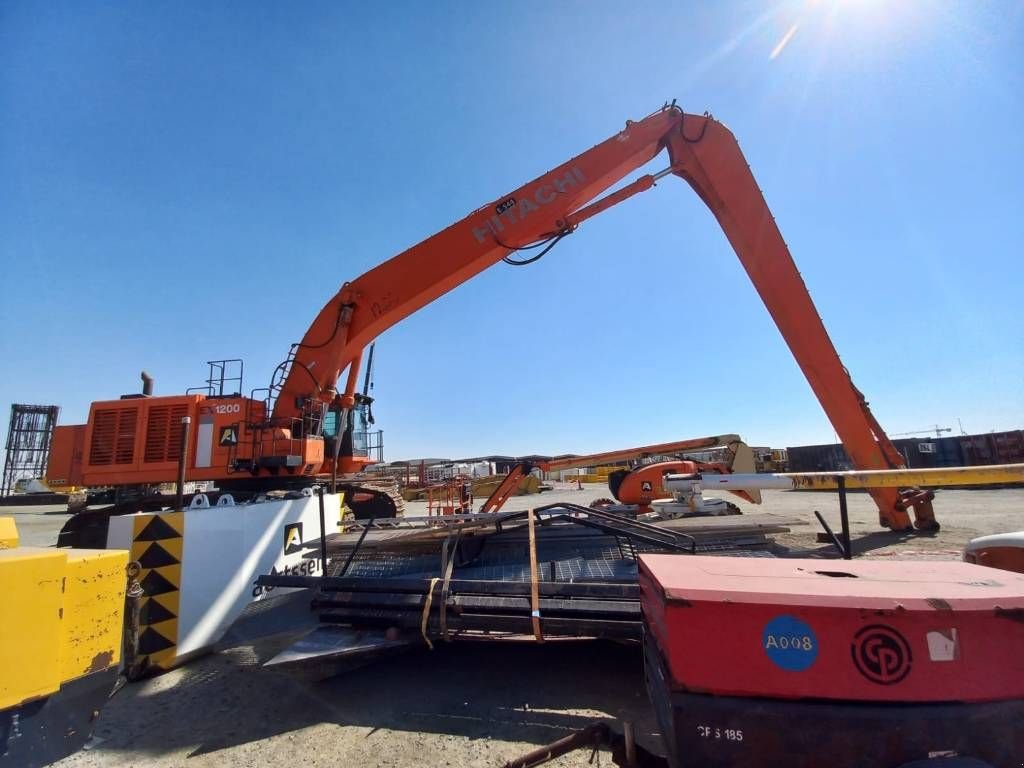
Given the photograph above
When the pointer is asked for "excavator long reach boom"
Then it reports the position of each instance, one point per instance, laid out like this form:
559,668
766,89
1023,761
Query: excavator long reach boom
700,150
306,427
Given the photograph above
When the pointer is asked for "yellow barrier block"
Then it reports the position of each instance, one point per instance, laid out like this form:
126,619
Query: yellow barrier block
61,617
94,588
31,581
8,533
903,478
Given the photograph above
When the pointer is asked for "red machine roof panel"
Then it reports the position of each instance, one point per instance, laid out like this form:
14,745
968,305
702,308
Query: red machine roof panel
856,630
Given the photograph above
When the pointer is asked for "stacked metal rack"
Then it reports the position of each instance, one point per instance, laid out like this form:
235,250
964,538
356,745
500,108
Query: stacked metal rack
415,580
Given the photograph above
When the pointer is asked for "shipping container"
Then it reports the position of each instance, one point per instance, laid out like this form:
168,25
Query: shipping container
978,450
1009,446
923,452
818,458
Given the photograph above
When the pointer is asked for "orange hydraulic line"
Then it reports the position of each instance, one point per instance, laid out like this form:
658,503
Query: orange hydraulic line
353,375
640,185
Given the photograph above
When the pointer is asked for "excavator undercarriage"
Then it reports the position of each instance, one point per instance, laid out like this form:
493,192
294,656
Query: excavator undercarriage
372,498
364,498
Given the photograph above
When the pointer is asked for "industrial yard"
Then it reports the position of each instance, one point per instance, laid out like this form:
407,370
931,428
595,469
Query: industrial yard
464,704
966,514
713,308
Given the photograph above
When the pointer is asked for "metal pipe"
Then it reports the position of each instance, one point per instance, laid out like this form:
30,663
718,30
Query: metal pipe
879,478
353,376
629,737
565,607
735,481
832,537
902,478
323,533
132,621
417,586
339,433
179,494
147,384
369,371
352,553
593,735
844,517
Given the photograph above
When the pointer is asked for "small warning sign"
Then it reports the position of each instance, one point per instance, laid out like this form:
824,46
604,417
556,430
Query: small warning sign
292,538
229,436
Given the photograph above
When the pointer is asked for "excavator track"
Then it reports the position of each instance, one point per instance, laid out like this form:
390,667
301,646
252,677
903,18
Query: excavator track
371,497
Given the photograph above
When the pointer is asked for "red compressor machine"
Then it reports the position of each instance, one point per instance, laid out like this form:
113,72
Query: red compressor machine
801,663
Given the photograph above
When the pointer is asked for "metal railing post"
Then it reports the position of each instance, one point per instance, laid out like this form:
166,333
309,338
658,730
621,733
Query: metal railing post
179,495
844,518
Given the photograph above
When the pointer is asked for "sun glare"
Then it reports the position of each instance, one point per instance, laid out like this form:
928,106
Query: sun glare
817,17
784,41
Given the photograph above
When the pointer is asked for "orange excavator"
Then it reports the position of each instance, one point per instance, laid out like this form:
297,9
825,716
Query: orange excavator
301,429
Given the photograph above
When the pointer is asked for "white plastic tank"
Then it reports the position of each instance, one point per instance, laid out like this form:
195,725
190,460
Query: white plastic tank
1000,550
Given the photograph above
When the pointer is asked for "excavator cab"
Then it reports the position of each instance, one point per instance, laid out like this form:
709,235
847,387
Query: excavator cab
360,446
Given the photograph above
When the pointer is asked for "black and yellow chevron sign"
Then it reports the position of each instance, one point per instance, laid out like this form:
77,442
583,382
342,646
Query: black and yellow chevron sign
157,544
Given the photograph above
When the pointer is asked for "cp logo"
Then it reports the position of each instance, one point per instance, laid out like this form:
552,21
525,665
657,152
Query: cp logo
881,654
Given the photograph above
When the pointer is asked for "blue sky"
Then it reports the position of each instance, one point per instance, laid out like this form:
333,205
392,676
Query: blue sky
189,181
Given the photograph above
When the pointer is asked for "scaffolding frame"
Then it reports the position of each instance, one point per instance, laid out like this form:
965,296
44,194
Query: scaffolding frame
28,443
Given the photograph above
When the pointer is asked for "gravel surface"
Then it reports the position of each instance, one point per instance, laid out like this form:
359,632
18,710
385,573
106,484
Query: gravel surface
464,704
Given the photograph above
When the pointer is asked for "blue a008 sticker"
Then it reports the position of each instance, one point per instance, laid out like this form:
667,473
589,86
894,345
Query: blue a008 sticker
790,643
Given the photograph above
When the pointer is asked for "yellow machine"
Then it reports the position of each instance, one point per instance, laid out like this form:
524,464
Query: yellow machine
61,628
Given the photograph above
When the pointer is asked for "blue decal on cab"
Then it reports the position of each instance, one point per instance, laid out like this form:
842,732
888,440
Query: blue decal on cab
790,643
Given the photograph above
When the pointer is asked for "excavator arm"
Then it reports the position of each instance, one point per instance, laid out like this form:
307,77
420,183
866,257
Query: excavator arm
708,157
390,292
700,150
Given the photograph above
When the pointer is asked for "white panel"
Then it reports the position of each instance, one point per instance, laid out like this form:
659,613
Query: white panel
943,645
226,549
204,442
120,530
737,481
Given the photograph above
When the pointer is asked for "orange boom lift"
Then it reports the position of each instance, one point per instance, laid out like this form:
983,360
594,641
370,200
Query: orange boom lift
642,484
300,430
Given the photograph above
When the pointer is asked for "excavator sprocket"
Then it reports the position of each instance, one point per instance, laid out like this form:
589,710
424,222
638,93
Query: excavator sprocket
615,481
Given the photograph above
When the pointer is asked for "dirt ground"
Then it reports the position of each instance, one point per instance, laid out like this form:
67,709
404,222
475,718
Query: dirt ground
463,704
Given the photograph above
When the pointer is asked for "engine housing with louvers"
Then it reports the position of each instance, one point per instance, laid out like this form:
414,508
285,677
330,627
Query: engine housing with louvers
137,441
113,436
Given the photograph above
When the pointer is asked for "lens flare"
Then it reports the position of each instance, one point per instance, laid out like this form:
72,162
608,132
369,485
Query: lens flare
783,42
